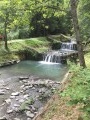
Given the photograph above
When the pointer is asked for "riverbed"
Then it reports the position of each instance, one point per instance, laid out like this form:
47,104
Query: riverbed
28,80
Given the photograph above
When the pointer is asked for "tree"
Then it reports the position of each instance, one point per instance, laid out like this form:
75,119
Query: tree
77,32
84,19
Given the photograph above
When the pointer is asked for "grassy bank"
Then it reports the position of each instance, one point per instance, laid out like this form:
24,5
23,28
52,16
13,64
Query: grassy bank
39,45
32,45
73,103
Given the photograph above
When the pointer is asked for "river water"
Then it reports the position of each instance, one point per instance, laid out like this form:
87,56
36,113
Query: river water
50,71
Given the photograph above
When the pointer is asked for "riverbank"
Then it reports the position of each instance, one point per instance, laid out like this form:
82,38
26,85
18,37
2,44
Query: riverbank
72,103
31,48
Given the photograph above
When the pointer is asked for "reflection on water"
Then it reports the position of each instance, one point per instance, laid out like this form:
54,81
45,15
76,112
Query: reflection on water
51,71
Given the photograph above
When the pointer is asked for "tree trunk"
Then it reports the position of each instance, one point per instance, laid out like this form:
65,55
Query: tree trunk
77,32
5,35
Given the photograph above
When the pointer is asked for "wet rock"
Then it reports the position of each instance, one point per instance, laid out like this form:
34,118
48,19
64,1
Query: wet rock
16,105
33,108
9,111
42,90
2,92
25,81
3,118
29,114
8,101
29,119
15,94
7,88
22,86
21,100
16,119
22,78
26,96
12,97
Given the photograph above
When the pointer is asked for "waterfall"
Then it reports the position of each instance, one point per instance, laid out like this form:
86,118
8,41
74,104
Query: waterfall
67,48
52,57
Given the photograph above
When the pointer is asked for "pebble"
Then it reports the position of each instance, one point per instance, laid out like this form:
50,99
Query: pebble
29,114
9,111
8,101
3,118
22,78
2,92
21,100
16,119
26,96
29,119
15,94
16,105
12,97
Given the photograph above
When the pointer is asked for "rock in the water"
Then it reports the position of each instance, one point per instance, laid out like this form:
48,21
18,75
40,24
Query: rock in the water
3,118
29,114
7,88
26,96
22,78
12,97
16,105
21,100
2,92
9,111
15,94
33,108
16,119
29,119
8,101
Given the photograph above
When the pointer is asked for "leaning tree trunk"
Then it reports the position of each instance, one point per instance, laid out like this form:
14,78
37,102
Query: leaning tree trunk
5,35
77,32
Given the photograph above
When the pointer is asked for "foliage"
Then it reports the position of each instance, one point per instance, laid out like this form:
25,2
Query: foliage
79,87
84,18
25,104
34,17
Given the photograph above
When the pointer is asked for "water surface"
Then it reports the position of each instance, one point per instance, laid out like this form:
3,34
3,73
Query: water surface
50,71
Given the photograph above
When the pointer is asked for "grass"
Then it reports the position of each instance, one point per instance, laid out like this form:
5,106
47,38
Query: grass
39,45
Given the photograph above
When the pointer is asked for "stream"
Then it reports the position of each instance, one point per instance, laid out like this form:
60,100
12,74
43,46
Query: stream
27,80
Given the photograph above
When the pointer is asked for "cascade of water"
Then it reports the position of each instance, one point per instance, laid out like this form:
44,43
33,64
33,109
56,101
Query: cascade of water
53,56
69,46
57,56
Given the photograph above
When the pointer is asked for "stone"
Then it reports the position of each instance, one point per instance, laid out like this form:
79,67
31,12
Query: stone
16,119
25,81
22,78
2,92
12,97
22,86
3,118
16,105
42,90
29,114
9,111
15,94
7,88
29,119
33,108
26,96
8,101
21,100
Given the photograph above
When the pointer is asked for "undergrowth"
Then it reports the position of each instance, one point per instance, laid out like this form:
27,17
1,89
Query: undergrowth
79,87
